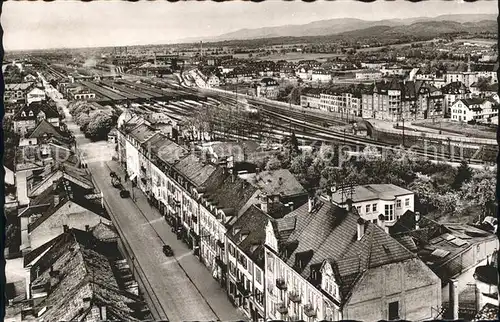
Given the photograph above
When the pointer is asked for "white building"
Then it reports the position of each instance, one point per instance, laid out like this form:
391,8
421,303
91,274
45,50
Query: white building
321,76
368,75
482,110
35,95
344,103
376,199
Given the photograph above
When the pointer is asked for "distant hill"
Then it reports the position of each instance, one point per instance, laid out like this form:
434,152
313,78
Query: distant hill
439,25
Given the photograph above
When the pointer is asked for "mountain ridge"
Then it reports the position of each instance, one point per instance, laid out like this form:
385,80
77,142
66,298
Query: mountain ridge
336,26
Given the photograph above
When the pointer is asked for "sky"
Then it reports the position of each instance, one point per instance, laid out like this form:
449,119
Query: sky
69,24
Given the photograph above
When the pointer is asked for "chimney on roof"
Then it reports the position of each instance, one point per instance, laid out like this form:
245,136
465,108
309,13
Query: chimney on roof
310,203
280,181
381,222
264,203
349,204
417,220
453,292
87,228
361,228
56,199
65,228
103,313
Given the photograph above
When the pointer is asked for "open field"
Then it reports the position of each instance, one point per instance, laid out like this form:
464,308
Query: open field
293,56
479,41
478,131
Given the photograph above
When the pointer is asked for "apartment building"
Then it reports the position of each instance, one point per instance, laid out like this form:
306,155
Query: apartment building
35,95
245,257
453,92
374,200
321,76
323,262
480,110
344,103
268,88
396,100
310,98
17,92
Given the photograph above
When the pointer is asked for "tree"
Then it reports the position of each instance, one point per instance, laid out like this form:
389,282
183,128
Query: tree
99,126
463,175
480,191
273,164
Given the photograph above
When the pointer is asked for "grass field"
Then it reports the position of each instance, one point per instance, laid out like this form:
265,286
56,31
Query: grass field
293,56
478,131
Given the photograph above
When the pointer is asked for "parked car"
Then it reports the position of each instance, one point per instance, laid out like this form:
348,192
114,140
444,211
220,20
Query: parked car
167,250
124,194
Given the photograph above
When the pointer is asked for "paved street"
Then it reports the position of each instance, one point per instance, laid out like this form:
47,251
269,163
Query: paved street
183,285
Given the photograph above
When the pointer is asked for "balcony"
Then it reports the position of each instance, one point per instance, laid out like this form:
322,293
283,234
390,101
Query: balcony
309,310
241,288
143,169
220,243
282,308
281,284
295,297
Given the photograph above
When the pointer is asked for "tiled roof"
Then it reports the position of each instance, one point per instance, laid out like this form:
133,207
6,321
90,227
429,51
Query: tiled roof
249,233
45,128
455,88
18,86
67,191
277,182
329,233
195,170
83,272
165,149
104,231
69,172
142,132
231,194
36,107
372,192
473,101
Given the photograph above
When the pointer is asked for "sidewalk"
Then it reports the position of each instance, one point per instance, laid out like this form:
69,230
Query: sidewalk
197,272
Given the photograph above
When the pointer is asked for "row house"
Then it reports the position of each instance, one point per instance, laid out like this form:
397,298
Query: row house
323,262
245,256
480,110
398,100
344,103
310,98
374,200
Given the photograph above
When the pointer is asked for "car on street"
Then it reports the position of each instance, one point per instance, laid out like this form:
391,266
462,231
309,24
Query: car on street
167,250
124,193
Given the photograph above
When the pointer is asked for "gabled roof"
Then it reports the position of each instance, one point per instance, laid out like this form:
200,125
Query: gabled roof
82,273
195,170
142,132
104,231
231,194
329,233
69,172
473,101
67,191
455,88
46,129
31,111
165,149
249,233
18,86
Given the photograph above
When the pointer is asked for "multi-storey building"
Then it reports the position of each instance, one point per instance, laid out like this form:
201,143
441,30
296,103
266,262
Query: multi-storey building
310,98
321,76
27,118
323,262
453,92
373,200
481,110
398,100
345,103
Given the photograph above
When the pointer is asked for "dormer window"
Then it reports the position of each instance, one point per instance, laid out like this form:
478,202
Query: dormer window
23,114
30,113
